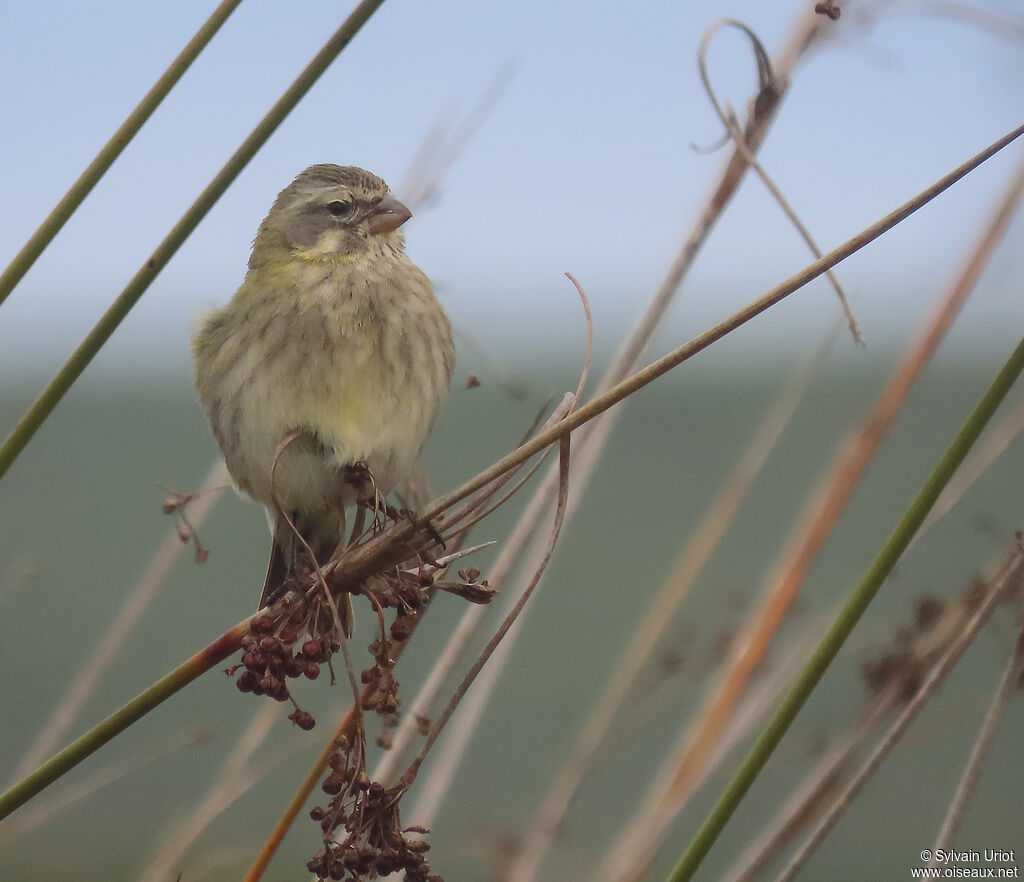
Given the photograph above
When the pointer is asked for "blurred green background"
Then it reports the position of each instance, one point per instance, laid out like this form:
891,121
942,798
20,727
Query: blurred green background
81,516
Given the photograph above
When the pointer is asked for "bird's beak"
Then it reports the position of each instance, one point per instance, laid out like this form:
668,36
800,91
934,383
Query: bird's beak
388,215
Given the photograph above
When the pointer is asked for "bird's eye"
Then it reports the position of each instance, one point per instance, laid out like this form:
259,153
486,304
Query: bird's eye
339,209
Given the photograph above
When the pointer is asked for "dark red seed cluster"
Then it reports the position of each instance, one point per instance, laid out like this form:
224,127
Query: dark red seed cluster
362,833
384,699
374,843
269,659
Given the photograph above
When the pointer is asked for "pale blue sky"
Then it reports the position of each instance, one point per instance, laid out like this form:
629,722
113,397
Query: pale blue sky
584,165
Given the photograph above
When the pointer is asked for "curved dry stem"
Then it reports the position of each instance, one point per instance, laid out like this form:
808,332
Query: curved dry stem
728,118
458,523
563,492
588,316
659,617
446,761
676,357
470,514
471,618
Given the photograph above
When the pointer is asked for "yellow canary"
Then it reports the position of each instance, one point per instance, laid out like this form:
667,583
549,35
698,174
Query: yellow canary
336,341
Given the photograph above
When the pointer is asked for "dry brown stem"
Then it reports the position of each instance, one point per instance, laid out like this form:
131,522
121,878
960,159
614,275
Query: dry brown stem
807,539
1007,578
1009,683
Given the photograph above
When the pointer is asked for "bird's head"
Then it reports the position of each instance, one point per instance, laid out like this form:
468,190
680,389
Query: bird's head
330,212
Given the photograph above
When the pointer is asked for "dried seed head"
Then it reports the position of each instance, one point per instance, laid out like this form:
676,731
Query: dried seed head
303,719
332,784
246,681
402,627
261,623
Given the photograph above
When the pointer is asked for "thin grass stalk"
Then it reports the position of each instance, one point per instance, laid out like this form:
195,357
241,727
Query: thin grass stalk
381,550
430,797
455,646
563,494
659,617
773,86
45,812
764,107
809,537
234,778
346,727
847,474
858,602
622,390
591,444
446,762
1009,577
771,92
81,188
444,143
45,774
109,646
432,789
1008,684
122,305
728,120
996,442
811,793
751,711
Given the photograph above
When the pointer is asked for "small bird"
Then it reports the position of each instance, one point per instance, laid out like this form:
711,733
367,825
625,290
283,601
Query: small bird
334,353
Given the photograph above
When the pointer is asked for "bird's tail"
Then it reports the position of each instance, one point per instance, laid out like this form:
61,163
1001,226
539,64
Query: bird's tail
277,575
284,567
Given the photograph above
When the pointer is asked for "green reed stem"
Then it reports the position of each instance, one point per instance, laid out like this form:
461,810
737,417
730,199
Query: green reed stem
87,349
846,620
81,188
117,722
